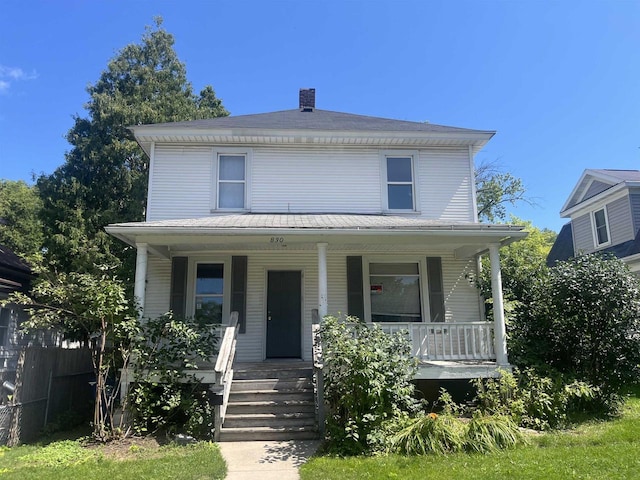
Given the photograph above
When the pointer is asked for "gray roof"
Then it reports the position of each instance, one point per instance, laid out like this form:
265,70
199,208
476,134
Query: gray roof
622,175
310,221
313,120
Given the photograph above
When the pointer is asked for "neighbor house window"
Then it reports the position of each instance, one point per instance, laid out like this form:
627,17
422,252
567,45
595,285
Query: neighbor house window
601,228
395,292
209,292
231,181
400,190
5,319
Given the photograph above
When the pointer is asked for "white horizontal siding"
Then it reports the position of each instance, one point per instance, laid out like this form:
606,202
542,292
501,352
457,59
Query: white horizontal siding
461,298
156,301
315,179
251,345
181,179
444,180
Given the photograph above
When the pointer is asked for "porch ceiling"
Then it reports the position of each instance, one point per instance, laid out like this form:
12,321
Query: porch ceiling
295,232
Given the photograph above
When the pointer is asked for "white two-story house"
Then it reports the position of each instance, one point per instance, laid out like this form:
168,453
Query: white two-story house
275,215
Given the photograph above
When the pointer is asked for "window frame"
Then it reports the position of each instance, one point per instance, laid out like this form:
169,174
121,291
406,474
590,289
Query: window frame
5,335
192,272
425,312
413,155
594,227
216,181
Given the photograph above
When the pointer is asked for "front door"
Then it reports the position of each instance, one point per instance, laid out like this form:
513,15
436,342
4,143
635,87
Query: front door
284,314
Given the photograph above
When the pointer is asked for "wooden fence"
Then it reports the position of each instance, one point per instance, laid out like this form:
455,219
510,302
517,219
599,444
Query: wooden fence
49,381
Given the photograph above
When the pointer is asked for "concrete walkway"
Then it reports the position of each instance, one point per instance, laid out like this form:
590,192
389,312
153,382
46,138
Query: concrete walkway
266,460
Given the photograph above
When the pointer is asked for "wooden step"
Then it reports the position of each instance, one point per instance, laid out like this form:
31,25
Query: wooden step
295,419
271,406
270,395
271,384
267,433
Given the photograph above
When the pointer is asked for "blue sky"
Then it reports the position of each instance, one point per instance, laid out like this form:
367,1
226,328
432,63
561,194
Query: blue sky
559,81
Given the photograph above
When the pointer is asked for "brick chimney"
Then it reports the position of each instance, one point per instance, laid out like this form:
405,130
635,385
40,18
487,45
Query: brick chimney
307,99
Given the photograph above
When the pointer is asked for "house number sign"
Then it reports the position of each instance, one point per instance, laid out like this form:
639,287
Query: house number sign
277,240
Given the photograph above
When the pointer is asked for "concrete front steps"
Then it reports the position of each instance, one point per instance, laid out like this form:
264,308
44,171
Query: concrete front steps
270,401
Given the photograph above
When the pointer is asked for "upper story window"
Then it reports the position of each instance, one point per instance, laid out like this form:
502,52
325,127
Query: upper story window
232,181
398,181
601,227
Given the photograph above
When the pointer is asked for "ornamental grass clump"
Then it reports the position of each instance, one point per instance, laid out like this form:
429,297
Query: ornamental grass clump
429,434
488,433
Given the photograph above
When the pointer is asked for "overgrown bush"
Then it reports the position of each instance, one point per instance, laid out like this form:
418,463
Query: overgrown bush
368,377
535,401
583,320
164,395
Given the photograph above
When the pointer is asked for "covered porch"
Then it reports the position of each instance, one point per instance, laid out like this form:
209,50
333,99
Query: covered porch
452,343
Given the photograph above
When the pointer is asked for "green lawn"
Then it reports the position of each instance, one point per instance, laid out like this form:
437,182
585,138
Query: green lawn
69,460
603,450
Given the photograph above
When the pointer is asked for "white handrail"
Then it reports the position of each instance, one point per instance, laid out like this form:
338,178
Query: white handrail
224,370
318,365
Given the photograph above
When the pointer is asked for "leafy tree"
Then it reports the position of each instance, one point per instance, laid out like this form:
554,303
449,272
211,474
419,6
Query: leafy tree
583,320
495,189
104,177
20,225
93,309
520,262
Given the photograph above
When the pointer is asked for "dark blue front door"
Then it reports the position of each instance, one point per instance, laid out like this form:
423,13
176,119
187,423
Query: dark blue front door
284,312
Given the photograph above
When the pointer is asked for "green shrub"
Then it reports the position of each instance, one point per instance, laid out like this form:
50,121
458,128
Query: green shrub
582,320
488,433
535,401
174,400
368,377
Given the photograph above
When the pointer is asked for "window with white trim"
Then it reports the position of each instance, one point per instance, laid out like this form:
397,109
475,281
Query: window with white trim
395,292
209,292
232,181
400,182
5,320
601,227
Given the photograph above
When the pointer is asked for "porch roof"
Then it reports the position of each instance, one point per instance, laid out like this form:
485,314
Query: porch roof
315,227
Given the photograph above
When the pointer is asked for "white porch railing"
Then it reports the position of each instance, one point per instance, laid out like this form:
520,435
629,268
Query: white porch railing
447,341
224,370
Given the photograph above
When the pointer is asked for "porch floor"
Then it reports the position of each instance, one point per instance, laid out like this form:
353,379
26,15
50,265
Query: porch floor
457,369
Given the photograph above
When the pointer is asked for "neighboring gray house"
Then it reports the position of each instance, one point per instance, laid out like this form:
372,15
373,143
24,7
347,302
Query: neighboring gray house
604,208
16,276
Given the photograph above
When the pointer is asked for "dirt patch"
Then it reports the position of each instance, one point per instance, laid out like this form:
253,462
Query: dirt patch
130,448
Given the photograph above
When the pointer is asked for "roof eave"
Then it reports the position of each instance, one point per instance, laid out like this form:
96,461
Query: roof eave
566,213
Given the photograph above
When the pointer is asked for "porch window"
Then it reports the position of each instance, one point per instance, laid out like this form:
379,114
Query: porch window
231,181
395,292
209,291
601,227
400,191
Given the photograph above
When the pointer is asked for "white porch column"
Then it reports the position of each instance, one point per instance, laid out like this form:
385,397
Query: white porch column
141,275
500,330
322,280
